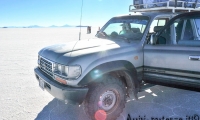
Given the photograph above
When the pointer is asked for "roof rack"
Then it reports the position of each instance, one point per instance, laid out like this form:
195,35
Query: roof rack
167,6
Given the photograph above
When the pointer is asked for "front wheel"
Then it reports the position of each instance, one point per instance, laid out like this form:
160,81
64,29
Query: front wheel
105,100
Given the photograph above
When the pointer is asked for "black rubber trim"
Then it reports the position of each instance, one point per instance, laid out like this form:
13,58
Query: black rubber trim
73,95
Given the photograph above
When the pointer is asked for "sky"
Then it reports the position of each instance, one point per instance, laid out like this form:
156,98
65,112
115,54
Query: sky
60,12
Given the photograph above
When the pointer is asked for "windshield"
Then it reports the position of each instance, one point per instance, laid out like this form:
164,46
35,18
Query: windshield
129,27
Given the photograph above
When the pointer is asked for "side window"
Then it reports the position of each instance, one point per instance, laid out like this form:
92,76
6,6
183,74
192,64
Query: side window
162,22
158,22
178,28
165,37
188,33
185,31
197,23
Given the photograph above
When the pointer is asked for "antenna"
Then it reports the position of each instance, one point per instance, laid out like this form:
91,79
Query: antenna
81,20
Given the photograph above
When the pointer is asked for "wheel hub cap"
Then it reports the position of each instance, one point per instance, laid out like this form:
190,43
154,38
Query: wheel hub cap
107,100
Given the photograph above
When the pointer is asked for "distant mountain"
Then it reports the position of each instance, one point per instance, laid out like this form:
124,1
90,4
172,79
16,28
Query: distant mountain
37,26
66,26
9,27
53,26
81,26
33,26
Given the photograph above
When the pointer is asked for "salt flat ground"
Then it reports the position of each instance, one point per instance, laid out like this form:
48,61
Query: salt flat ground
22,99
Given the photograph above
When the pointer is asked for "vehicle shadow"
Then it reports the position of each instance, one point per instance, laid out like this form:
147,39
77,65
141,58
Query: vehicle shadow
57,110
157,101
164,102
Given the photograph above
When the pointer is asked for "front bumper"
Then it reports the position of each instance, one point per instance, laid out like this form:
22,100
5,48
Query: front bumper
68,94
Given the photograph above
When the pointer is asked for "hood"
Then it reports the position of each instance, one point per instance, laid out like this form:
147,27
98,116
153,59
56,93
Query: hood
54,52
91,43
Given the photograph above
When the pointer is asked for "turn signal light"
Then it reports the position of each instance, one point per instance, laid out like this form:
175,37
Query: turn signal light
60,80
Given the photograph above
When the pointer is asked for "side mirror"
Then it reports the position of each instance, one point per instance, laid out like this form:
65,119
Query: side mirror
88,29
153,39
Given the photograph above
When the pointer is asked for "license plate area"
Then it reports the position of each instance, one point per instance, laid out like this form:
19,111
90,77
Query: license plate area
41,83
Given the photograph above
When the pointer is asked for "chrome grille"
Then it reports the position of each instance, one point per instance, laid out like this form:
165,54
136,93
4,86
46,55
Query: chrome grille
46,66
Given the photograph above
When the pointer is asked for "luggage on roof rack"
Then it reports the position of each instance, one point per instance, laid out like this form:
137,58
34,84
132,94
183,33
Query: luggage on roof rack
164,5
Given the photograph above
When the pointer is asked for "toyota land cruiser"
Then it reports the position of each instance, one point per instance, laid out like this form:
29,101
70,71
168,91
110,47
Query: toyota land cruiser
128,51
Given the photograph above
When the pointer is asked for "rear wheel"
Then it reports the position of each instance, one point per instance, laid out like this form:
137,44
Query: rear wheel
105,99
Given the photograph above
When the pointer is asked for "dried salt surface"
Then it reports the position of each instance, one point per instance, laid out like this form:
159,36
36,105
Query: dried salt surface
22,99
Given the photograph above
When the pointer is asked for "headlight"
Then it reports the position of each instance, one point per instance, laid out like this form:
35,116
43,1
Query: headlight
67,71
60,68
74,71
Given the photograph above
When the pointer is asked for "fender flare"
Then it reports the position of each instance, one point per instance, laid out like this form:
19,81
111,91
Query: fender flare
123,67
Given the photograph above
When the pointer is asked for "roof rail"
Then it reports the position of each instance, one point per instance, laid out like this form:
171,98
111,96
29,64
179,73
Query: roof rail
167,6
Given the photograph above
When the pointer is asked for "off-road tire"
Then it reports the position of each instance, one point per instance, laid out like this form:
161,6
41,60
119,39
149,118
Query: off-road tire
111,88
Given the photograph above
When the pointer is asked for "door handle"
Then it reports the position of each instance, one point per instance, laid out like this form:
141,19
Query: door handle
194,57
